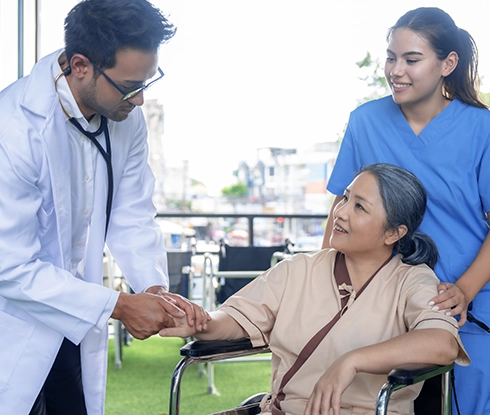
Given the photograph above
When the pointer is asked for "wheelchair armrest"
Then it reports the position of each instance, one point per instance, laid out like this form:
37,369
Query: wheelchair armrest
411,374
202,348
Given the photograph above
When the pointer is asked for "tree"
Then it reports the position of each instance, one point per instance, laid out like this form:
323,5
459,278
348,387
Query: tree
375,77
235,194
485,96
235,191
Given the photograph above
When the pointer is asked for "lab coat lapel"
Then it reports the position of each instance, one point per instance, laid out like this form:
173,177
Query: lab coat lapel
56,140
48,117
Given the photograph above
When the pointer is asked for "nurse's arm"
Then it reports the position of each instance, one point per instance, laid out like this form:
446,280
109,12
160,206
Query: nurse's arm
329,225
455,298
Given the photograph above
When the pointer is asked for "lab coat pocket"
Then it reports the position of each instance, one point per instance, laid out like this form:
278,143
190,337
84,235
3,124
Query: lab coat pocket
46,218
48,235
15,335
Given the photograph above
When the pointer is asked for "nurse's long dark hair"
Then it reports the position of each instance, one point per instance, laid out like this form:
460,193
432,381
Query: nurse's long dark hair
444,37
405,199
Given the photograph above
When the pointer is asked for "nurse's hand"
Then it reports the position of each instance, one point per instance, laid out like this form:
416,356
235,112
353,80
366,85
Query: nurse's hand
452,300
329,389
145,314
196,315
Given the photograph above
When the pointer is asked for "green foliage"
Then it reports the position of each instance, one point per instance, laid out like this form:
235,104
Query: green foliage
375,77
179,205
485,96
142,385
235,191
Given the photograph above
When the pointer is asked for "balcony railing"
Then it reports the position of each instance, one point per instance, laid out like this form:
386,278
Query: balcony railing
285,221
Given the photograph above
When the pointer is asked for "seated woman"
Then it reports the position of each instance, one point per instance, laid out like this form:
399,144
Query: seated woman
377,277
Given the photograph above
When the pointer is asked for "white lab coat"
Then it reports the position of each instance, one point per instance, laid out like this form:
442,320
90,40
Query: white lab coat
40,300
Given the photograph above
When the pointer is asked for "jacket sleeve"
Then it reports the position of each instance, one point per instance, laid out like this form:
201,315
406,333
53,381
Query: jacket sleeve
134,239
35,283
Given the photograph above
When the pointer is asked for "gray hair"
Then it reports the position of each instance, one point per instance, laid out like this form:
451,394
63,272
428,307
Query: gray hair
405,200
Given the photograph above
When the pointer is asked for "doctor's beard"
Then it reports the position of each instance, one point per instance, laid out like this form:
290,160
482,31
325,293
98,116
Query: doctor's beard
120,112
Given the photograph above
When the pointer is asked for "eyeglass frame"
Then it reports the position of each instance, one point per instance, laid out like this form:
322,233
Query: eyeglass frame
130,94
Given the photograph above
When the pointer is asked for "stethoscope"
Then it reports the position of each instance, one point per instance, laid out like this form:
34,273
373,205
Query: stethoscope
106,153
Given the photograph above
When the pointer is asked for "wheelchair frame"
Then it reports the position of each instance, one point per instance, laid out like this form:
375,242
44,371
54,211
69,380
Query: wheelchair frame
205,351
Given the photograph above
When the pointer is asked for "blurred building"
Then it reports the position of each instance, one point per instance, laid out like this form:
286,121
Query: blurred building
279,180
154,116
286,180
174,189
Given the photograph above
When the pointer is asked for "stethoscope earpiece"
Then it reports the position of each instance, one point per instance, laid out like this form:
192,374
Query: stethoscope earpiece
67,71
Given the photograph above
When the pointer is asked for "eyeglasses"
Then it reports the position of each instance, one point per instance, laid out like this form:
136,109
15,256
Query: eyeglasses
131,94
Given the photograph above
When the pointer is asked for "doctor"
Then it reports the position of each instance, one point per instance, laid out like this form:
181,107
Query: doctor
74,176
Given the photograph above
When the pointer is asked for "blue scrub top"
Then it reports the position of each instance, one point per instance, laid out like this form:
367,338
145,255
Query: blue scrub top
451,157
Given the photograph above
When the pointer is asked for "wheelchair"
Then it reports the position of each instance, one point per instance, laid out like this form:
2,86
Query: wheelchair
201,351
237,266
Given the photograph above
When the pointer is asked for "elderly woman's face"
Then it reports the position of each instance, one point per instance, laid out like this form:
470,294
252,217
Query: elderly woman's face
360,219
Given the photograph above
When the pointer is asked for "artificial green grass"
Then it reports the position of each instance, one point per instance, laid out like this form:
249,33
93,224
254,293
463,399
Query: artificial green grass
142,385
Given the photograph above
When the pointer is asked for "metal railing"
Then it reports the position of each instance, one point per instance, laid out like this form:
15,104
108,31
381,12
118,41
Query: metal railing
249,217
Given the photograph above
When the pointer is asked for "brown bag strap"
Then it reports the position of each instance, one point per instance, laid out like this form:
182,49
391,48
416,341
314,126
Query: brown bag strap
341,276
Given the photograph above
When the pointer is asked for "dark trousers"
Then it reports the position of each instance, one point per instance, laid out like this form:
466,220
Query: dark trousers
430,398
62,392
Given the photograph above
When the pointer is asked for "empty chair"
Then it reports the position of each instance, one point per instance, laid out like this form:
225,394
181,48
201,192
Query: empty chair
180,272
242,258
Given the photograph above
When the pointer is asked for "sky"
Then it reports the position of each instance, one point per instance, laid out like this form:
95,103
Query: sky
258,73
245,74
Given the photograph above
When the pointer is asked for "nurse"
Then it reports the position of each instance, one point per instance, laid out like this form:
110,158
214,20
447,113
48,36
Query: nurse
73,156
435,125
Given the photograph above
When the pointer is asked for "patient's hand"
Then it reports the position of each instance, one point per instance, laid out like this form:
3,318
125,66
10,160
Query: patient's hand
181,329
452,300
196,315
328,390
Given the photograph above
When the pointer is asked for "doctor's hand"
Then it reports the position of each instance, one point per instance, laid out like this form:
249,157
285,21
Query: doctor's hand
196,315
452,300
181,329
329,389
145,314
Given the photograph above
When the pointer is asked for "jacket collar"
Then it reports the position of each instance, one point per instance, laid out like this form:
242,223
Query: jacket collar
40,94
44,112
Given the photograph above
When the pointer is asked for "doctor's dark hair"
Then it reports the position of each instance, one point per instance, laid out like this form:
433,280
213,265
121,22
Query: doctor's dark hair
405,200
444,37
99,29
